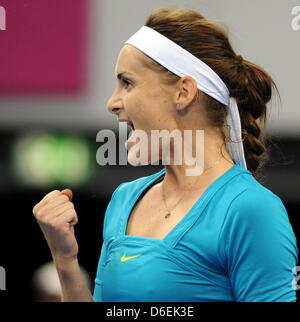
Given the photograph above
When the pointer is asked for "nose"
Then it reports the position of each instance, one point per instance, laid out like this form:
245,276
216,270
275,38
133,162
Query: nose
114,104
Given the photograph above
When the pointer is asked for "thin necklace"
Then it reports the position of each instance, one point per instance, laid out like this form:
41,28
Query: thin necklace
163,193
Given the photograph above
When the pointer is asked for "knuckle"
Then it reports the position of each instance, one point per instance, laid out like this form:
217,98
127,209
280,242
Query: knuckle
71,205
68,207
52,222
51,194
64,197
73,213
69,211
59,199
54,192
42,212
34,209
42,220
64,209
39,213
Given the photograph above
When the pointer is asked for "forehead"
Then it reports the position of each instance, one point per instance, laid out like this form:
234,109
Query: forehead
130,60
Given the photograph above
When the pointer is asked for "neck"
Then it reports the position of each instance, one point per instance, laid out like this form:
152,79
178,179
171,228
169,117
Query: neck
215,160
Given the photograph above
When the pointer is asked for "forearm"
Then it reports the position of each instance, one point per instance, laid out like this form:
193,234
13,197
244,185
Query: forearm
72,283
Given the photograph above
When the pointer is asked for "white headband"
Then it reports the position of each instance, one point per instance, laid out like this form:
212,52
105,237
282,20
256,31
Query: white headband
181,62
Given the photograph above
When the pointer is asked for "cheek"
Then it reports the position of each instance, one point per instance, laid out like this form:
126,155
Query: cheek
148,108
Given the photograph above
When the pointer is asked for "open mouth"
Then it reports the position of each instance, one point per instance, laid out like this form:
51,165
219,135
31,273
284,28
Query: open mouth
130,125
131,133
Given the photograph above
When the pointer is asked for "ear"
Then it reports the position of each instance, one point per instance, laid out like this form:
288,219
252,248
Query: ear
186,92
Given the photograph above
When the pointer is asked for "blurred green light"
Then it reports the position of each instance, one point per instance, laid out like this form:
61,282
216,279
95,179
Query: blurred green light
73,160
44,159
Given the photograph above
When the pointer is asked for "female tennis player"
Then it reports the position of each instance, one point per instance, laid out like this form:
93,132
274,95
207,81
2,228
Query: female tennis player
219,235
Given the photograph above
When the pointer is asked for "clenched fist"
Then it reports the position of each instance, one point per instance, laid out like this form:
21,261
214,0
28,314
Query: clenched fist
56,216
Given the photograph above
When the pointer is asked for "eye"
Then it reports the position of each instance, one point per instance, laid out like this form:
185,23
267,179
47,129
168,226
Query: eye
126,82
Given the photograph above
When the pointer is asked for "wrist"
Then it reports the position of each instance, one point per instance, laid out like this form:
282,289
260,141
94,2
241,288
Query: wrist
64,262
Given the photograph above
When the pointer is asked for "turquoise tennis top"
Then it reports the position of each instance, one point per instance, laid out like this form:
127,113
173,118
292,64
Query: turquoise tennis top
235,244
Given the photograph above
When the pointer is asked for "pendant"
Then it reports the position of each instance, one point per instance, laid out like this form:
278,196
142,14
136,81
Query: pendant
167,215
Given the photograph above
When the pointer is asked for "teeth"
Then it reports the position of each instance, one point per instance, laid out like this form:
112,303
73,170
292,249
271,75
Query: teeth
130,124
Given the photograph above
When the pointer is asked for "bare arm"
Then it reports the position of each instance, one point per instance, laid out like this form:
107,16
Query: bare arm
56,216
72,283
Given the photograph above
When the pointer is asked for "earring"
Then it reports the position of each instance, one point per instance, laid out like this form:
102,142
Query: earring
177,105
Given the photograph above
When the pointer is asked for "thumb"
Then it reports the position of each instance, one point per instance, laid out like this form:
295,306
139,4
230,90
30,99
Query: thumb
68,193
